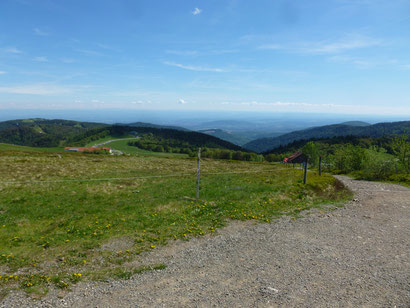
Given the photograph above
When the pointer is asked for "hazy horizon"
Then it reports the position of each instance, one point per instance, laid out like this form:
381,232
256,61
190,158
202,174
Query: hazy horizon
189,118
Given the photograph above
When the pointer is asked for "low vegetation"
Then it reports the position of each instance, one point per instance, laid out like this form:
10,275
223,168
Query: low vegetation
70,217
157,144
385,158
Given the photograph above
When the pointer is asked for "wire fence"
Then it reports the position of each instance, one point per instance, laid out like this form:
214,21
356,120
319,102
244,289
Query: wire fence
130,178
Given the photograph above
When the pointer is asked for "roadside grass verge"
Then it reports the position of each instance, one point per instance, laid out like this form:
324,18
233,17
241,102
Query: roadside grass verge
59,233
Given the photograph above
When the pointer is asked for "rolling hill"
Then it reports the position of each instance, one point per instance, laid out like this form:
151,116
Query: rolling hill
144,124
52,133
356,123
42,132
328,131
190,138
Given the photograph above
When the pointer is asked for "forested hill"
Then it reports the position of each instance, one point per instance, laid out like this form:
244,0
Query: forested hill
42,132
52,133
328,131
144,124
44,123
190,138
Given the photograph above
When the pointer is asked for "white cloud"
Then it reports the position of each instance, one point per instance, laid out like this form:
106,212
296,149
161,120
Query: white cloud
2,72
41,59
280,104
347,43
195,68
39,32
182,101
141,102
13,50
35,89
314,107
196,11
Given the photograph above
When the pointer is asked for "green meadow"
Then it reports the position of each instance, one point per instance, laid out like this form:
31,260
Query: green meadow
122,145
69,217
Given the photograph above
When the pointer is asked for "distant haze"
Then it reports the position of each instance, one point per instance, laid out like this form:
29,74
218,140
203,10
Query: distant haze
257,122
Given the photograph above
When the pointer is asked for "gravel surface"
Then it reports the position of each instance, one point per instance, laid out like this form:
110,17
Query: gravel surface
356,256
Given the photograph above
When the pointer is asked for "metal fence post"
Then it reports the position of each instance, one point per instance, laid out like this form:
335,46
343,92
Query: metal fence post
305,175
320,165
197,173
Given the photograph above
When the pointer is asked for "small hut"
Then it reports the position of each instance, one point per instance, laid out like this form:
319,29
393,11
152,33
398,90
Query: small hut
297,158
88,149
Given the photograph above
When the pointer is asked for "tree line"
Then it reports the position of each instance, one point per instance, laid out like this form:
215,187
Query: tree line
380,159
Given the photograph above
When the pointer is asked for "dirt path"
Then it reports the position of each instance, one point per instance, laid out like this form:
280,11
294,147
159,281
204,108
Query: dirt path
357,256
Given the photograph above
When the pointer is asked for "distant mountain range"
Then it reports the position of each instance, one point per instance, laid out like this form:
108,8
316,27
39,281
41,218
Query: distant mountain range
144,124
328,131
52,133
356,123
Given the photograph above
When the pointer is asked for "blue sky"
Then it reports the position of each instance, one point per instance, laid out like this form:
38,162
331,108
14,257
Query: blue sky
333,56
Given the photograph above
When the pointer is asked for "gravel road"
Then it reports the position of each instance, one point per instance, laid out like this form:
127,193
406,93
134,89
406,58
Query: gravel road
356,256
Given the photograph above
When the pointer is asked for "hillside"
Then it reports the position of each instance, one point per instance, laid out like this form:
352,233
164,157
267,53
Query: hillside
52,133
356,123
144,124
42,132
363,142
328,131
194,139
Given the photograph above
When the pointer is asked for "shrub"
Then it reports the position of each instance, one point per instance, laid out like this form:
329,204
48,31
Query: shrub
377,165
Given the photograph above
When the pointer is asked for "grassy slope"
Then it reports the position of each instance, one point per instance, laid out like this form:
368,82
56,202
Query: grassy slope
122,145
12,147
56,230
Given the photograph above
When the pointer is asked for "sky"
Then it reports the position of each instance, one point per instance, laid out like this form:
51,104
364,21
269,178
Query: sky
331,56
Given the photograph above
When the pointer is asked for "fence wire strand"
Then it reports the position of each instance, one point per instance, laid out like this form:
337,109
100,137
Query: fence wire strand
130,178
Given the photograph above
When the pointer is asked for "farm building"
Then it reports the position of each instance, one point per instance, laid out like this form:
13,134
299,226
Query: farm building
87,149
296,158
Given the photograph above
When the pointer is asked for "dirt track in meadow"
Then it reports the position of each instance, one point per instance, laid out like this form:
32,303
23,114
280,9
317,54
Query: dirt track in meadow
356,256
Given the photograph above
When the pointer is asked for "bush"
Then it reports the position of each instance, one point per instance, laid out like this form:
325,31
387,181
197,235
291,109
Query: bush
378,165
348,158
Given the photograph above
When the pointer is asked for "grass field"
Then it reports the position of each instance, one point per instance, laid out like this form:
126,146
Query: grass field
69,217
122,145
11,148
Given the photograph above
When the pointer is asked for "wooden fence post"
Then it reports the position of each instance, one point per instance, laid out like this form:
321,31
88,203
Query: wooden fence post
305,175
197,173
320,165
